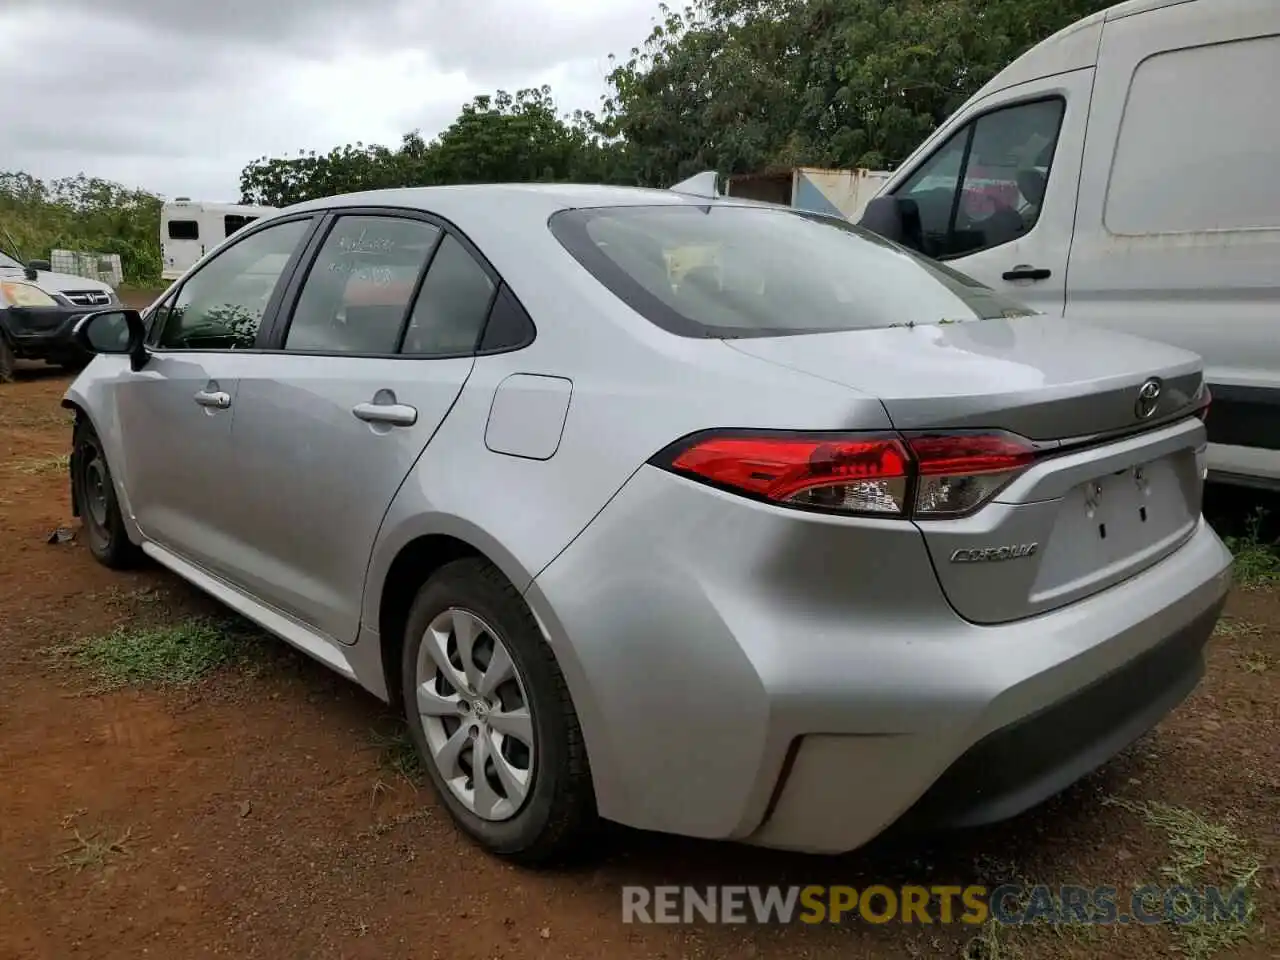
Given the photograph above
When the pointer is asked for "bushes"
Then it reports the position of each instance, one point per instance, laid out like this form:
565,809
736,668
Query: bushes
81,213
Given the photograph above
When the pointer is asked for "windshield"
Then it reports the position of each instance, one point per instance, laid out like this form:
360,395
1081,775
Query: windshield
8,261
731,271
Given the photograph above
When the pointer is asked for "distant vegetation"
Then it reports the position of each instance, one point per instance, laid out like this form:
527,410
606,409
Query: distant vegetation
81,213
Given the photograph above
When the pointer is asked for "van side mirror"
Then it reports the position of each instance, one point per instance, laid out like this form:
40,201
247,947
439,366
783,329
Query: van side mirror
114,332
33,266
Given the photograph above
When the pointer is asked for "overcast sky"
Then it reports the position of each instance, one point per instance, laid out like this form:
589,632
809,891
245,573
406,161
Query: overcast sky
176,96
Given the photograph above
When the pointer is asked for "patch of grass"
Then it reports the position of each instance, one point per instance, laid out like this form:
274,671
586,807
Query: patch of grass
166,655
383,827
45,465
999,941
398,755
1230,628
92,851
992,942
1256,663
1256,562
1202,854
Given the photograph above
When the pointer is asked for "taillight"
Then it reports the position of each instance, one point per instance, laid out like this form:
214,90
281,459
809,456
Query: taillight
961,472
886,475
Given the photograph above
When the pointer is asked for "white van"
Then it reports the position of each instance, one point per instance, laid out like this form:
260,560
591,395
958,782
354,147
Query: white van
189,229
1126,172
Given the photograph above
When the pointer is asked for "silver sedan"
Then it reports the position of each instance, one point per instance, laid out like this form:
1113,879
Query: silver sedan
703,516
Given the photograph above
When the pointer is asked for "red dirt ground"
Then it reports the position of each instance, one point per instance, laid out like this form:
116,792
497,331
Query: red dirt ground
258,819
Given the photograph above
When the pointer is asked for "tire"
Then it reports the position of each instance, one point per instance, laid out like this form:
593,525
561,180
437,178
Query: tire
6,361
95,498
558,811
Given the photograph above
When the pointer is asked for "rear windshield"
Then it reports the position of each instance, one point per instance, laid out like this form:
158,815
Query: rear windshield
737,271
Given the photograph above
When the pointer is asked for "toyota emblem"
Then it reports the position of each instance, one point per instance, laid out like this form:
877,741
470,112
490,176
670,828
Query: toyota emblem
1148,399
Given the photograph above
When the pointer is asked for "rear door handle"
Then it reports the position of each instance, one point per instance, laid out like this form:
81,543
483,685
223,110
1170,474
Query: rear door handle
395,414
1024,272
216,399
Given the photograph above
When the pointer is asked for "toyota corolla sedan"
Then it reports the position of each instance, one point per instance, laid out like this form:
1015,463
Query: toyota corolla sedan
702,516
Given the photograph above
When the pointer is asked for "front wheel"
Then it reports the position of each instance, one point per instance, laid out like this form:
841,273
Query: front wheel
6,361
95,497
490,714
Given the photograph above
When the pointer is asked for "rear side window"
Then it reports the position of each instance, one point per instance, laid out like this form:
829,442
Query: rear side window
730,271
357,293
1196,151
184,230
452,306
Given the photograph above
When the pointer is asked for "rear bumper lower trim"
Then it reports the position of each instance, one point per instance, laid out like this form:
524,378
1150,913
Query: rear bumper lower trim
1021,765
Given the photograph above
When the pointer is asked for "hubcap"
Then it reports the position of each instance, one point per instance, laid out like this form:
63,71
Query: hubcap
475,714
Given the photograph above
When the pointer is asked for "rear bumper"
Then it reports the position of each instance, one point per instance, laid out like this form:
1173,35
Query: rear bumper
44,333
746,672
1018,766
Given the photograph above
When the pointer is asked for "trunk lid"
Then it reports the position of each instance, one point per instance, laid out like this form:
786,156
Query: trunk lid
1096,509
1041,377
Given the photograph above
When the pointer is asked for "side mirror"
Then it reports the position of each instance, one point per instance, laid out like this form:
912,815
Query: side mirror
33,266
114,332
883,215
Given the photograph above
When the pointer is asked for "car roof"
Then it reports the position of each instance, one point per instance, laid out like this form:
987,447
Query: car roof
539,200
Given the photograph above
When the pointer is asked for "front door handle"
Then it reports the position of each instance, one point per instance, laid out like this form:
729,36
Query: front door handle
395,414
1024,272
217,399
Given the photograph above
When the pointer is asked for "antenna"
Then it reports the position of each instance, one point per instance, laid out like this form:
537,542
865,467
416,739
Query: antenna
699,185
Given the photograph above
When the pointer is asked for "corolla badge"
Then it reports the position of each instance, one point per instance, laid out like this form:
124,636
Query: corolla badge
1148,398
1013,551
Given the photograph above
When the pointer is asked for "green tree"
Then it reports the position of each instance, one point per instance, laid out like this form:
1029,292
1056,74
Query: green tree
739,85
81,213
503,137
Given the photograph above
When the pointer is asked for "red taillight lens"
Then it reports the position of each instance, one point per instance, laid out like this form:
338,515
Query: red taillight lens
854,474
960,472
927,476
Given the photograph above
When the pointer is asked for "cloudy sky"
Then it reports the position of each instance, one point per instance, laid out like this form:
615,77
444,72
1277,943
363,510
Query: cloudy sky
178,95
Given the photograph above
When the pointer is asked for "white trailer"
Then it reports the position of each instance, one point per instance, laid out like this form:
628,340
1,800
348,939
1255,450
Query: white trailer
190,228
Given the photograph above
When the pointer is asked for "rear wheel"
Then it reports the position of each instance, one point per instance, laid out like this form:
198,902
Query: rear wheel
490,714
95,496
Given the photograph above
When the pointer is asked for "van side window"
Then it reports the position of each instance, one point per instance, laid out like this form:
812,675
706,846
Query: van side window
184,230
985,185
1189,158
233,222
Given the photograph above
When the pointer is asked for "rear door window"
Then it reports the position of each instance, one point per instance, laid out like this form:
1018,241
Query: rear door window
356,296
451,310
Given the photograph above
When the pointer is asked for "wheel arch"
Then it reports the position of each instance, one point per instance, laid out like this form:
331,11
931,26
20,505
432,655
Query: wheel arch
76,402
403,562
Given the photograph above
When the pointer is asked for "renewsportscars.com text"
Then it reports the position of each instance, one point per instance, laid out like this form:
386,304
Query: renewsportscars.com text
1009,904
